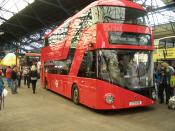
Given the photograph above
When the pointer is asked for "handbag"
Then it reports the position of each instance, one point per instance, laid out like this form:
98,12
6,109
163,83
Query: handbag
4,92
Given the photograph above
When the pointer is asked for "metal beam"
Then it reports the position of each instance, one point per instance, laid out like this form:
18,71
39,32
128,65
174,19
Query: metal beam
3,18
168,6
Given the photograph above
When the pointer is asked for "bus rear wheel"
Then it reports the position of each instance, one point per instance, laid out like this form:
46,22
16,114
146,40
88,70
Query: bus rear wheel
75,94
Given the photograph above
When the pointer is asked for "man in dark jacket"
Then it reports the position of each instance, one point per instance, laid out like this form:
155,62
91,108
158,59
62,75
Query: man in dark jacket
14,80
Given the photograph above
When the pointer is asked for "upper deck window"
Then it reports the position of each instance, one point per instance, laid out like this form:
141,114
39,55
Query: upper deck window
113,14
58,35
166,43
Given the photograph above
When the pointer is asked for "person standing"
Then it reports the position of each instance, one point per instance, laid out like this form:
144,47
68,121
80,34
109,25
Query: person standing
14,78
1,90
4,71
33,77
28,78
157,78
25,72
165,75
8,76
1,84
19,74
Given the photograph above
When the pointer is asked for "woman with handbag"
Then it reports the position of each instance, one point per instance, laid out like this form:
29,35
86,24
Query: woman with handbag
33,77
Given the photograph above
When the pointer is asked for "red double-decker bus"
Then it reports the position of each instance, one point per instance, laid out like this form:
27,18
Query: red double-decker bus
102,57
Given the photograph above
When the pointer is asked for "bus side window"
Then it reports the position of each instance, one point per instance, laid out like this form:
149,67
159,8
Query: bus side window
88,65
61,68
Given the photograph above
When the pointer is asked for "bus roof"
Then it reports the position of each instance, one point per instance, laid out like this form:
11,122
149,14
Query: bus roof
123,3
168,38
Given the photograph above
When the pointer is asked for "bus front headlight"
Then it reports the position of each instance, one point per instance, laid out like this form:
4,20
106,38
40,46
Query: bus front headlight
109,98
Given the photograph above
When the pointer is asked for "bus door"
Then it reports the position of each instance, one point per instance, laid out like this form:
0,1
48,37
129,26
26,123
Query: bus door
87,78
60,79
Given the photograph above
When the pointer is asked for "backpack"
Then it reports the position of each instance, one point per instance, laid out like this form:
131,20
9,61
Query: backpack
34,75
14,75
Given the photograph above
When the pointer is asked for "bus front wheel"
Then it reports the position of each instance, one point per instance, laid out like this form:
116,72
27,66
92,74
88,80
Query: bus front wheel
75,94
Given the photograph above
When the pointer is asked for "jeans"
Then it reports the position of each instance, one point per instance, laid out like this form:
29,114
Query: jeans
33,85
25,79
164,87
9,82
14,86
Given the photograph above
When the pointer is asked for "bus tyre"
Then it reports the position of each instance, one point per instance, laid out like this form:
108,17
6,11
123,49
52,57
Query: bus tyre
75,94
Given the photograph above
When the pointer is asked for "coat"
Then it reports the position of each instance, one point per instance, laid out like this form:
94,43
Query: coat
33,75
1,85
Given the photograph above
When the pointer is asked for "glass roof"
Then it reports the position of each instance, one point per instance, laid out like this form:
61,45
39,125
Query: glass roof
8,8
158,14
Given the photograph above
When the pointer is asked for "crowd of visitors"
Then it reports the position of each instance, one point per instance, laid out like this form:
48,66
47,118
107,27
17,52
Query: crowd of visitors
165,81
15,74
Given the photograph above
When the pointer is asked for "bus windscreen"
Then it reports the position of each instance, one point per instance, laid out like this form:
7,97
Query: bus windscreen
114,14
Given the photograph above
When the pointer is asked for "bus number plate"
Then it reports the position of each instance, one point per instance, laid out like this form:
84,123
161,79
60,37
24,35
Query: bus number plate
133,103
